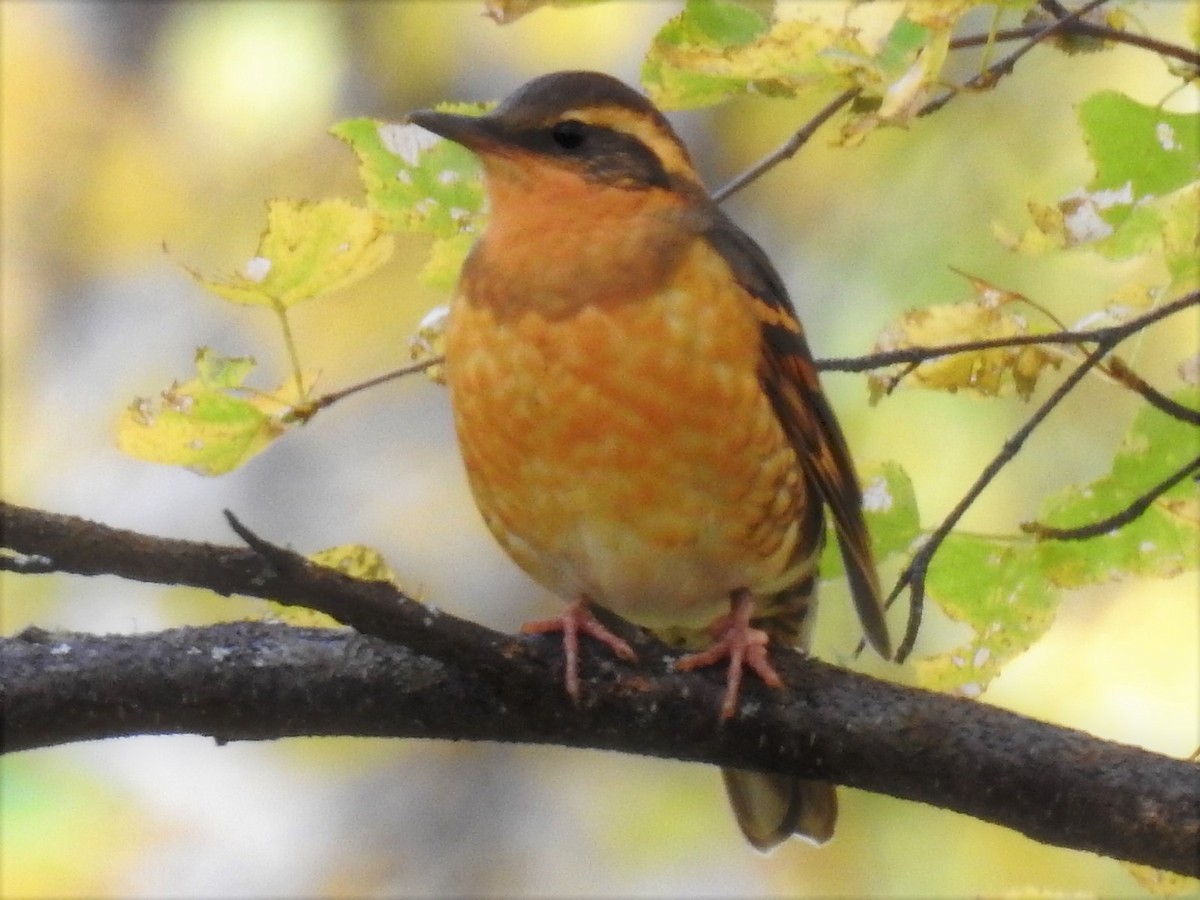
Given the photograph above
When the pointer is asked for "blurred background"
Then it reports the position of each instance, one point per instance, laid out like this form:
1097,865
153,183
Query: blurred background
138,138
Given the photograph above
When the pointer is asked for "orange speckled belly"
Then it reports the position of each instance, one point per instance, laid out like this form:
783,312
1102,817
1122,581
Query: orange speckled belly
625,451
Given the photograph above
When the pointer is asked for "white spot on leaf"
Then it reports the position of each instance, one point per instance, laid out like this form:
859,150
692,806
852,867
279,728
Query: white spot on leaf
1166,136
876,496
256,269
407,141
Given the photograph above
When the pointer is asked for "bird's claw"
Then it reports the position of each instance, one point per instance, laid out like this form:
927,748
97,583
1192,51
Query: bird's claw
745,646
576,619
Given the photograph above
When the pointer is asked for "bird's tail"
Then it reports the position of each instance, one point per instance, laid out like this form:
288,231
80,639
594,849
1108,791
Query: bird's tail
770,808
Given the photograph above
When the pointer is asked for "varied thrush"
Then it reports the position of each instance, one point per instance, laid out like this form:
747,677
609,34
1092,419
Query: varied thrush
638,411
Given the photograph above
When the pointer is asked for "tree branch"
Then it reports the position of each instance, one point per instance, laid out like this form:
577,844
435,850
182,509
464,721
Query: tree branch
420,673
993,73
1104,341
921,354
1118,519
1065,23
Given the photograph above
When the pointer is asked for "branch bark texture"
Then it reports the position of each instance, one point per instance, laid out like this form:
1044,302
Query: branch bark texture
409,671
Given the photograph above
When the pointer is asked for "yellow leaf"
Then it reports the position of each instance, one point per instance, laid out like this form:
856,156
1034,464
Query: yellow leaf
1161,883
988,372
357,561
307,250
354,560
905,96
210,424
430,341
446,258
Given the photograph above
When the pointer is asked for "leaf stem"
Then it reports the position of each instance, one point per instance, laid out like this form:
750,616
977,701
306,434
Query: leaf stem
290,343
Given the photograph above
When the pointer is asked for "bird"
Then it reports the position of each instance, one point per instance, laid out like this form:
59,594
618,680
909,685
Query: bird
637,409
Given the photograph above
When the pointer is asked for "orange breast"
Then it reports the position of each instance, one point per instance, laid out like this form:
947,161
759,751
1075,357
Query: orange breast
624,450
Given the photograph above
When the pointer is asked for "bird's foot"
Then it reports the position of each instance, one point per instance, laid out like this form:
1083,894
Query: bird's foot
735,639
576,619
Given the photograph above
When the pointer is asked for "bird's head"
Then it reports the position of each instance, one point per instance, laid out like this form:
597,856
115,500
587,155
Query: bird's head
592,195
581,126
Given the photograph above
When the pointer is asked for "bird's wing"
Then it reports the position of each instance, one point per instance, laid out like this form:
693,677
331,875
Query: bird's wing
790,379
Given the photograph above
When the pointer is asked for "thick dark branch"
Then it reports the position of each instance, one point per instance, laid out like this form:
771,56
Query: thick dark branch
76,546
440,677
256,681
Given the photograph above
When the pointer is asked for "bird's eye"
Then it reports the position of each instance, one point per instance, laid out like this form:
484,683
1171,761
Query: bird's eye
568,134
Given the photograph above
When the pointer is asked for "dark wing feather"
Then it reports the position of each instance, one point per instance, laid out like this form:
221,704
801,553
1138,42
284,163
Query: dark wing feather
790,379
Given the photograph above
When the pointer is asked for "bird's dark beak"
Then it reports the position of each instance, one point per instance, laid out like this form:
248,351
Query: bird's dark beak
478,133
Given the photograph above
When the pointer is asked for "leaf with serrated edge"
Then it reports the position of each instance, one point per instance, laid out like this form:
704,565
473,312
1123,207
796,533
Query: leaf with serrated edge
998,590
307,250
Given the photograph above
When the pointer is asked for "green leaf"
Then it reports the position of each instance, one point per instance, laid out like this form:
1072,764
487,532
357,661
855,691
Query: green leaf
1143,198
1152,151
420,182
890,505
1164,540
210,424
416,180
720,23
1181,239
997,589
307,250
446,257
715,49
904,41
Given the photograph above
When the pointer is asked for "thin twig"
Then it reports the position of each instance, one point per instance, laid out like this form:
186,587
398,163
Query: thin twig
790,147
915,573
1116,520
306,411
1068,23
924,354
1055,8
1085,29
999,69
1118,370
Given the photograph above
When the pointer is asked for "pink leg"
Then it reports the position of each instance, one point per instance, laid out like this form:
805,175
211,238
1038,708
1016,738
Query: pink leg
745,647
572,622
